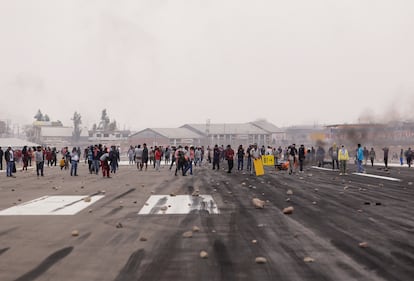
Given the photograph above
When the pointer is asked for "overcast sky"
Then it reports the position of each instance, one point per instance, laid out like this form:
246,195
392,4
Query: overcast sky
159,63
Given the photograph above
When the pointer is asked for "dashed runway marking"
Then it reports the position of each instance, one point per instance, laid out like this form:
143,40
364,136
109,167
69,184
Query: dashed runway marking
179,204
52,205
376,176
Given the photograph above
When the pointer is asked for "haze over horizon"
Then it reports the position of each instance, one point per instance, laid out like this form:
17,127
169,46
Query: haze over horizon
164,64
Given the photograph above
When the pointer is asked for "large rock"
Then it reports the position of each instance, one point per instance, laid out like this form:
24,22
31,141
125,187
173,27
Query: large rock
288,210
261,260
259,204
203,254
188,234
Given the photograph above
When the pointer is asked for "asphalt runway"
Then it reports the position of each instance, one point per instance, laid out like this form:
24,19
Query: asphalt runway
131,226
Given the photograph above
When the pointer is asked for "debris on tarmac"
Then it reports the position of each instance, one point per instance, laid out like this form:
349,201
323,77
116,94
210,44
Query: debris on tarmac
75,233
308,259
87,199
143,239
289,192
261,260
288,210
287,200
363,245
254,241
259,204
119,225
203,254
188,234
196,229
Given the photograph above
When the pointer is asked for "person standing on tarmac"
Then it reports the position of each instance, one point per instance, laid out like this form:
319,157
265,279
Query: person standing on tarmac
343,157
254,154
360,158
301,156
292,156
372,156
240,158
230,158
216,157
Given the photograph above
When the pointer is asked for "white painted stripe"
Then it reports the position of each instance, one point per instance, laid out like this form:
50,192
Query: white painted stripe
180,204
376,176
51,205
325,169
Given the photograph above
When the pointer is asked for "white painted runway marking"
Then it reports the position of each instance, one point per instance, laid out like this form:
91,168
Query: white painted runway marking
51,205
375,176
180,204
325,169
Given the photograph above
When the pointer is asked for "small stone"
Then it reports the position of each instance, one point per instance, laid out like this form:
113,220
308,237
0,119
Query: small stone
103,191
172,194
289,192
82,187
359,211
254,241
135,202
119,225
261,260
188,234
13,189
90,211
75,233
261,225
203,254
308,259
346,187
196,193
164,208
196,229
143,238
254,187
87,199
288,210
314,203
19,199
410,183
287,200
259,204
363,245
316,190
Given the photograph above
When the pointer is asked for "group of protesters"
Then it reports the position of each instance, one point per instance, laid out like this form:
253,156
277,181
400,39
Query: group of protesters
99,157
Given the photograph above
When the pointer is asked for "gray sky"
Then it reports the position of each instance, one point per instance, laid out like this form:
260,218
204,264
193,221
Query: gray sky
159,63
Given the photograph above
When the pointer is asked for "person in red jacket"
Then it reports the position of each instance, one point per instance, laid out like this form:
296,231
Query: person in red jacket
229,154
157,156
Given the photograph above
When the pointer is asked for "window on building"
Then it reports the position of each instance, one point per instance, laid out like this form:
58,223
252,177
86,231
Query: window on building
106,135
98,135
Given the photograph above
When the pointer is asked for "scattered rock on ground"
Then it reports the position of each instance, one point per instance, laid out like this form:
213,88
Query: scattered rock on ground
259,204
119,225
164,208
261,260
308,259
87,199
196,229
254,241
143,238
363,245
289,192
188,234
288,210
203,254
75,233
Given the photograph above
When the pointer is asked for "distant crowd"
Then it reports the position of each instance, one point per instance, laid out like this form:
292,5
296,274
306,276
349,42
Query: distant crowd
185,158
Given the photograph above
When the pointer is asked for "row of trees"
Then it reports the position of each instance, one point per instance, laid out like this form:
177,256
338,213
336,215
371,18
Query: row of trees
105,123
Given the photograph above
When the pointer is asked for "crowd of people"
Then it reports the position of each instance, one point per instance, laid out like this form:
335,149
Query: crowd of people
100,157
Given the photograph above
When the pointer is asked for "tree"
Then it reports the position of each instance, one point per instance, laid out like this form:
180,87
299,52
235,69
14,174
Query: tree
77,120
104,124
46,118
39,116
112,126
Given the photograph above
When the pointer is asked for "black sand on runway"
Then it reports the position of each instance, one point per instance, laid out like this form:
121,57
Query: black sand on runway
342,227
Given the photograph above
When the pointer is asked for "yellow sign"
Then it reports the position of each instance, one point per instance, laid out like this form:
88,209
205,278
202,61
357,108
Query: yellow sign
268,160
258,167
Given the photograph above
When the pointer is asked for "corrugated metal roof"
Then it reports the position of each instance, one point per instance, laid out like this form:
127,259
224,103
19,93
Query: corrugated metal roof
15,143
225,128
172,133
267,126
61,132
